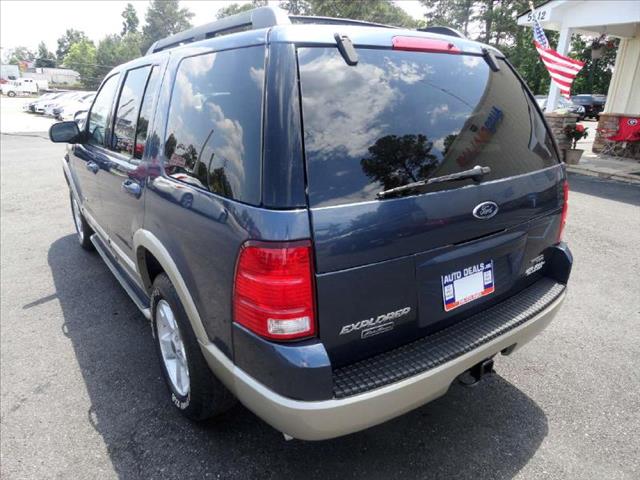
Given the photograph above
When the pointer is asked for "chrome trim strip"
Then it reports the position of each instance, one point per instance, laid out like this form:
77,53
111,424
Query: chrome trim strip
426,194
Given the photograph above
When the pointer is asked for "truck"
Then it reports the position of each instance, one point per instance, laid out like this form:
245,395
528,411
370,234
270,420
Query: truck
23,86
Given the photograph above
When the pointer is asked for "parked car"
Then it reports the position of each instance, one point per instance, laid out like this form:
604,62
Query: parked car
37,106
31,106
66,99
67,110
563,105
43,103
23,86
593,104
331,228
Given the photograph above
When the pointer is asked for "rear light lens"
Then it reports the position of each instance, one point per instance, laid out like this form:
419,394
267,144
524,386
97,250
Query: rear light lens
273,292
417,44
565,206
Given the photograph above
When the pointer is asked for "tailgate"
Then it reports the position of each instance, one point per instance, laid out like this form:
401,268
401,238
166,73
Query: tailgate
399,117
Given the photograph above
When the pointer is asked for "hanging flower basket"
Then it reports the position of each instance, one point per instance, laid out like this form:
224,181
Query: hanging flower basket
597,52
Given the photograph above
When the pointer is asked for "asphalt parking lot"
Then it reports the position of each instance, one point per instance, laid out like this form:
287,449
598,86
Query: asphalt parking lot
82,397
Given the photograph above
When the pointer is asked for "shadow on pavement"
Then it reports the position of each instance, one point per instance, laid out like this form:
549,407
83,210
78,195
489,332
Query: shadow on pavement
490,431
608,189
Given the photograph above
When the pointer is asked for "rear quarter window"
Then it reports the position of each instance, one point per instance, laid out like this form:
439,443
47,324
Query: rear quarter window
399,117
214,129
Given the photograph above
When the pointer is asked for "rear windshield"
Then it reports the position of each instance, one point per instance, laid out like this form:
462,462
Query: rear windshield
399,117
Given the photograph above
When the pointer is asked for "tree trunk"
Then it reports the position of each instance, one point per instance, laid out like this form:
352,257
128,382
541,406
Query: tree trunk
488,21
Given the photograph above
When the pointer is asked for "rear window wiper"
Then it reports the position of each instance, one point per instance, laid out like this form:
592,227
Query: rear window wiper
476,173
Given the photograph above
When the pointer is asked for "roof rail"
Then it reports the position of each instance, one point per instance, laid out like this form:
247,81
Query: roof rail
452,32
335,21
262,17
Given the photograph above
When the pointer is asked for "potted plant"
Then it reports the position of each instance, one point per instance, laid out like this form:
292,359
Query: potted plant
574,133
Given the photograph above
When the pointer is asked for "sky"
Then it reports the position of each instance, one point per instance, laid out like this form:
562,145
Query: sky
27,23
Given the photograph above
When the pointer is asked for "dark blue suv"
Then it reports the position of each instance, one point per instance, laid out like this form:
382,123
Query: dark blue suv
328,220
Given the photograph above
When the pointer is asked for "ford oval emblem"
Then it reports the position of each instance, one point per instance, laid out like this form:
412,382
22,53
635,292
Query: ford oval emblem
485,210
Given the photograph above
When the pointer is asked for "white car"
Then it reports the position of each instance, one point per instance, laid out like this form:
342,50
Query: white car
41,105
31,106
68,110
63,100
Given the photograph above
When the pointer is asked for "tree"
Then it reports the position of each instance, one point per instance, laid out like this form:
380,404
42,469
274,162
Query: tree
130,20
114,50
297,7
70,37
458,14
394,161
234,8
379,11
20,54
164,18
44,57
81,57
595,76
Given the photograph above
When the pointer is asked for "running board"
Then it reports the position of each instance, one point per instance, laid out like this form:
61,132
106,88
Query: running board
139,298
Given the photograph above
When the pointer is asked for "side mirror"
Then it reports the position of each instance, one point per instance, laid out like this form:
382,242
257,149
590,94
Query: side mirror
64,132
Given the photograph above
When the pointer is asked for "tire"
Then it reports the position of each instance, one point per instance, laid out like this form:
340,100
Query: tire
11,94
83,230
202,396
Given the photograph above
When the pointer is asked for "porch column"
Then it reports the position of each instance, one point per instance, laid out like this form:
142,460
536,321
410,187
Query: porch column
563,48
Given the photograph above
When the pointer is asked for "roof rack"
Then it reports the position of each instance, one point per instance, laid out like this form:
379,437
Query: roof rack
262,17
335,21
452,32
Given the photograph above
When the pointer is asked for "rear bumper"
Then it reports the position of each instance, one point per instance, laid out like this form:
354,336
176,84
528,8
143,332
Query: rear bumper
319,420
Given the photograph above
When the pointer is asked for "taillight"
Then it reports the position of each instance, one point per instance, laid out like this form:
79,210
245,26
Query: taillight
418,44
273,291
565,206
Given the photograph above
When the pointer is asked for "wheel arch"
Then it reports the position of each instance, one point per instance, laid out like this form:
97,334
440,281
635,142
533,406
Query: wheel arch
152,258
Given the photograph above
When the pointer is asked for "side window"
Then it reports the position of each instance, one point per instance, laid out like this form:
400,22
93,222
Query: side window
145,113
100,111
214,128
124,128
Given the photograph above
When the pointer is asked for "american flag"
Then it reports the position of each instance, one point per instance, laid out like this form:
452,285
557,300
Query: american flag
562,69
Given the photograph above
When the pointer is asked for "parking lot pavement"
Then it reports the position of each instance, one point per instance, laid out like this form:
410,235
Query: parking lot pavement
82,397
14,120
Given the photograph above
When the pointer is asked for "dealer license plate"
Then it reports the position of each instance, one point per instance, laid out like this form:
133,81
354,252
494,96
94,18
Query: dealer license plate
466,285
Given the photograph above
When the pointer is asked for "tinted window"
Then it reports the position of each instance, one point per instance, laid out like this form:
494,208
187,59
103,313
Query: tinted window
400,117
145,113
124,128
214,126
100,111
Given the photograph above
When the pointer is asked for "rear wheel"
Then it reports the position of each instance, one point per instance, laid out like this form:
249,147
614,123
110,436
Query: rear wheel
83,229
11,94
194,390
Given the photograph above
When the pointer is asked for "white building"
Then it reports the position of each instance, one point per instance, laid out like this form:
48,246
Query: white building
9,72
60,76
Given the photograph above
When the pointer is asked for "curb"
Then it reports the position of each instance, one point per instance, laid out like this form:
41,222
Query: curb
620,177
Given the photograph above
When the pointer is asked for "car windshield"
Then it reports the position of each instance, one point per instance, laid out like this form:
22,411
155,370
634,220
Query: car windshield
400,117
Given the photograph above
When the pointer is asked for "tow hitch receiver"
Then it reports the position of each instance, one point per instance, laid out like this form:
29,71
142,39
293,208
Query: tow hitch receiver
472,376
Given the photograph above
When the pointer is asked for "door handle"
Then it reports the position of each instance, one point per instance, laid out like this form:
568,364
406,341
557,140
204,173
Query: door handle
92,166
132,188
